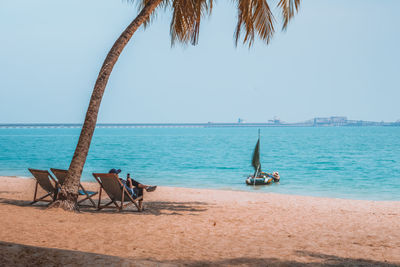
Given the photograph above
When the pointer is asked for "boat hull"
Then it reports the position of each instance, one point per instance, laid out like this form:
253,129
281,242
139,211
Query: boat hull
259,181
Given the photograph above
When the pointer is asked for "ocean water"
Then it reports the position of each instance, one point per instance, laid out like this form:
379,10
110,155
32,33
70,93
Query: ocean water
338,162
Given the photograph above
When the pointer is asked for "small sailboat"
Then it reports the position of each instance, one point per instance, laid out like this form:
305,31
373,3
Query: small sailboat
259,177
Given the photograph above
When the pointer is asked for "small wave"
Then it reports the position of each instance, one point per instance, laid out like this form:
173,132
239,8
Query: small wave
227,168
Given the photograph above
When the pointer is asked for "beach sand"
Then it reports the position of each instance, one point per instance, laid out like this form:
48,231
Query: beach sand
199,227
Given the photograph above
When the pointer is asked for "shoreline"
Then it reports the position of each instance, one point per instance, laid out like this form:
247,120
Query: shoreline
229,190
182,227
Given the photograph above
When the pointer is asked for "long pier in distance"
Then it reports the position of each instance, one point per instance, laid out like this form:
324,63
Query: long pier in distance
316,122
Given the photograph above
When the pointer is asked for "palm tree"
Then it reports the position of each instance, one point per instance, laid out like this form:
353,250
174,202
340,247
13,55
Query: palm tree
254,18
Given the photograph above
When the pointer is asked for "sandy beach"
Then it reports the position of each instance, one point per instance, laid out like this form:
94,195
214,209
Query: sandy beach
198,227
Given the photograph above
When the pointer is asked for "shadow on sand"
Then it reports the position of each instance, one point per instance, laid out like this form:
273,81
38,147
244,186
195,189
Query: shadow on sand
151,207
158,208
174,208
12,254
21,203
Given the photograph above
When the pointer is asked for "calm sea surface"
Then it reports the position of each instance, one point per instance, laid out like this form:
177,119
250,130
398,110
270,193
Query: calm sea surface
341,162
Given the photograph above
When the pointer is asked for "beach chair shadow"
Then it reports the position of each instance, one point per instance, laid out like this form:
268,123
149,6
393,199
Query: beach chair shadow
16,202
116,191
47,183
62,174
192,208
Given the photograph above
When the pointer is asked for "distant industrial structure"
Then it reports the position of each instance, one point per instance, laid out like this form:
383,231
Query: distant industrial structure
331,121
275,121
240,120
335,121
343,121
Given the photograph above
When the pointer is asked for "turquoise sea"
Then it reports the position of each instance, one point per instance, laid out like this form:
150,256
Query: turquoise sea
339,162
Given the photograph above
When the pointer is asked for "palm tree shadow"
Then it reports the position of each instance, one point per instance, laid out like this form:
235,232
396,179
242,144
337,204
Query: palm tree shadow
261,262
14,254
332,260
315,260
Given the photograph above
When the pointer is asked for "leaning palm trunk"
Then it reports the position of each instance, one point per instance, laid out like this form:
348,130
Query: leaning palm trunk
68,195
254,18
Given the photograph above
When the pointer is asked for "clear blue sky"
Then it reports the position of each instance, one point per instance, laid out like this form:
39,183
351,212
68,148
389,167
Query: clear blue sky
337,58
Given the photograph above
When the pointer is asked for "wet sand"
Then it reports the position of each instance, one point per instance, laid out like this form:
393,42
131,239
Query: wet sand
183,226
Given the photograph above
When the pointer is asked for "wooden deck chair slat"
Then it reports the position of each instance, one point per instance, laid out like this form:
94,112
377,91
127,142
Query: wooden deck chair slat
116,191
47,183
61,175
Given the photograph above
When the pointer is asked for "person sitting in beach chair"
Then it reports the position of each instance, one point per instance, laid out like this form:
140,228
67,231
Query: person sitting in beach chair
134,187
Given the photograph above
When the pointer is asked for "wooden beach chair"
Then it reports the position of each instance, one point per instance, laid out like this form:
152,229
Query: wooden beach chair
116,191
44,180
62,174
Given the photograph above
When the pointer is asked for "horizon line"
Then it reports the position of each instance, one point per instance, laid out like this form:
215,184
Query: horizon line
309,123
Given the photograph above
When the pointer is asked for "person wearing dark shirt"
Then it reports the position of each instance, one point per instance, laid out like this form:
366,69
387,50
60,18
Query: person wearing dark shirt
138,187
134,187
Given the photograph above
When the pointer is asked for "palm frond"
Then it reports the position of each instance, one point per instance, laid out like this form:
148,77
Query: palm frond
289,7
254,17
142,3
186,17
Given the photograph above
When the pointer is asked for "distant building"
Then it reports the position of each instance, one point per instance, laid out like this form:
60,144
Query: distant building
240,120
339,119
321,121
275,120
330,121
